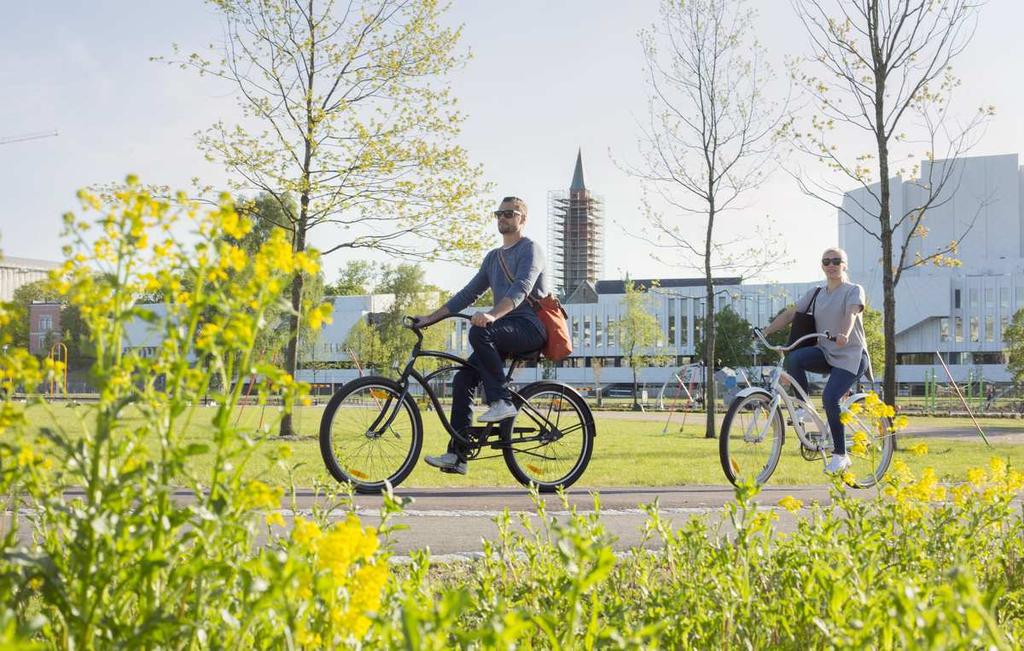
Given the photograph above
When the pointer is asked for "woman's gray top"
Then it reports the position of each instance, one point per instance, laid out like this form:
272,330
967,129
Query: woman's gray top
525,262
829,309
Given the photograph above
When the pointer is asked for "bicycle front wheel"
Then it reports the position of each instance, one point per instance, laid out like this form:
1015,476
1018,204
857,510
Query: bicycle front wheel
551,437
368,436
869,443
750,443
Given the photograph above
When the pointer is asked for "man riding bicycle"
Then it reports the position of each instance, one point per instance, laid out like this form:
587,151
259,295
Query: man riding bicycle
513,272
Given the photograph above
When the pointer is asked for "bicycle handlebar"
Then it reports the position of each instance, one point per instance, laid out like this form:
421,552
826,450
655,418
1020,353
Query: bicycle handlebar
786,349
414,324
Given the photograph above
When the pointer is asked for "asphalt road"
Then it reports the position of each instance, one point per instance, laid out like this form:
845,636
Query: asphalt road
453,523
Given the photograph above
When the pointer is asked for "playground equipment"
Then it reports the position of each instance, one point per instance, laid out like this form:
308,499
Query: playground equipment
685,390
58,353
962,400
685,382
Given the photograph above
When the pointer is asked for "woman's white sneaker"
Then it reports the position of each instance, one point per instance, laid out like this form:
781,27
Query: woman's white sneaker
837,464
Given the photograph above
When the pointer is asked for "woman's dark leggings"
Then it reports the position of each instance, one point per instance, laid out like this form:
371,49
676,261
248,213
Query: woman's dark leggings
839,382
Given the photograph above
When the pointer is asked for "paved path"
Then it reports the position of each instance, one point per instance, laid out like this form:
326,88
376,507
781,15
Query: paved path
452,524
455,522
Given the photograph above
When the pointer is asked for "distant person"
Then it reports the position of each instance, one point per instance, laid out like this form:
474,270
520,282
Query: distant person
513,272
838,308
990,397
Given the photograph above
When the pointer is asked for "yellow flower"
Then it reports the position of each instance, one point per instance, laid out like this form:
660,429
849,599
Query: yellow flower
998,467
305,533
26,457
259,495
345,543
791,503
961,493
845,418
856,408
976,476
273,518
901,472
919,449
307,639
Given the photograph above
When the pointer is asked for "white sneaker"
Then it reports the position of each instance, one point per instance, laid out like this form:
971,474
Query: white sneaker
837,464
499,411
447,462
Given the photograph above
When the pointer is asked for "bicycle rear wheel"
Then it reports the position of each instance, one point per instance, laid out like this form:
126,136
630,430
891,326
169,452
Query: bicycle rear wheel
750,443
368,437
561,427
869,443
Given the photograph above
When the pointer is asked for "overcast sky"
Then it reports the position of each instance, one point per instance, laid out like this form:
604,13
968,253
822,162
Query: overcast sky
545,79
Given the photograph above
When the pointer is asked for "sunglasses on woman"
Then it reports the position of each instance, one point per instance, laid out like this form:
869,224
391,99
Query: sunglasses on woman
834,261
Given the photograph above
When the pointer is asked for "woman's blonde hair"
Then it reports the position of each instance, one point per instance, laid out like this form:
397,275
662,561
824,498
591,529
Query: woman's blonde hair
846,261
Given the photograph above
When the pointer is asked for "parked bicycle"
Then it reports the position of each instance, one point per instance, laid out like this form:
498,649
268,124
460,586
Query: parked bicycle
753,431
372,432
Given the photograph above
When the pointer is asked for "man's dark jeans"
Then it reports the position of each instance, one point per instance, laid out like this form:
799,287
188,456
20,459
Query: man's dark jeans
508,335
839,382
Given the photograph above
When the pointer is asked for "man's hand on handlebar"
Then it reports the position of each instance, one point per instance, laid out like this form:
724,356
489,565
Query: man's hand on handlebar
482,319
416,322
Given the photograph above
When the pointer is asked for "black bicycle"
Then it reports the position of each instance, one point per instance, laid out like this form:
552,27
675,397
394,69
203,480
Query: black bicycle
371,432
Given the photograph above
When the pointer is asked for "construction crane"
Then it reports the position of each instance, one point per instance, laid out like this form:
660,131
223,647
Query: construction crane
28,136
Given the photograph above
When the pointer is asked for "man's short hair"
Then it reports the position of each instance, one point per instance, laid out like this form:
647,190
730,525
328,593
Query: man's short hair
517,204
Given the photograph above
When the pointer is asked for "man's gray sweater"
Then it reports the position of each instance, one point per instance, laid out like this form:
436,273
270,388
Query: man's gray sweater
525,262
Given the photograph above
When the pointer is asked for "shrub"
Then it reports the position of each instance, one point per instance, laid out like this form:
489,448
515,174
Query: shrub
115,559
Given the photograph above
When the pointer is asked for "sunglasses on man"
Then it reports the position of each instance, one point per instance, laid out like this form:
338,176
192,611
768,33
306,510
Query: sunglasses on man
507,214
833,261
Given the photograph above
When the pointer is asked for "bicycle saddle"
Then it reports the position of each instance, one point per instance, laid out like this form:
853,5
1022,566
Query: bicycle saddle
528,356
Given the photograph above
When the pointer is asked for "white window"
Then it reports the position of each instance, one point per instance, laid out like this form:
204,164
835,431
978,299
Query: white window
45,322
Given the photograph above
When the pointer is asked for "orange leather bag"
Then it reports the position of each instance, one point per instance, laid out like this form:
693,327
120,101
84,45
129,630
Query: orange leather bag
551,313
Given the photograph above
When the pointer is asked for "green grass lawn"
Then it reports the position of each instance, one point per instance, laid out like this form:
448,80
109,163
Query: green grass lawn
628,452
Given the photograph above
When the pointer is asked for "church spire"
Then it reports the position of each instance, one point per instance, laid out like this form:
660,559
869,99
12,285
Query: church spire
577,175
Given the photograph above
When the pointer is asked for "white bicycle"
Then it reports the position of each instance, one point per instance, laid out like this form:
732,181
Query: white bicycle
753,431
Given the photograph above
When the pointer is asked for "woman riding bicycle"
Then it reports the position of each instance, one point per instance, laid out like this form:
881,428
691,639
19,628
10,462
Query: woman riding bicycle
837,308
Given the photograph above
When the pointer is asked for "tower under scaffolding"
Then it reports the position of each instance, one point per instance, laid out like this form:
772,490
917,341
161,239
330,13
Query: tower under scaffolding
575,234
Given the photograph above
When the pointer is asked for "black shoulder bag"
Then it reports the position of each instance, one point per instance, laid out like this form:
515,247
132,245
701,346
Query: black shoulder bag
803,324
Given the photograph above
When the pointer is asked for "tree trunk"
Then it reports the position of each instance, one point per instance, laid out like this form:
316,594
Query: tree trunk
885,212
291,357
709,329
636,403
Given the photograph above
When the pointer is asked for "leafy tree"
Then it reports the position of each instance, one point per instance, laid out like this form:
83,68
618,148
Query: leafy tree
23,297
873,332
637,332
386,342
356,278
347,108
735,347
883,67
707,143
1013,338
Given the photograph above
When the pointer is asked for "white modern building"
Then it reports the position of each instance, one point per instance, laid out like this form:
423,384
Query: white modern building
678,304
959,312
15,272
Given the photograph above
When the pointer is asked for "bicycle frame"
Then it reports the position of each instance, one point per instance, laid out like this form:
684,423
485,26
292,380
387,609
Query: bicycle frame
781,397
424,381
